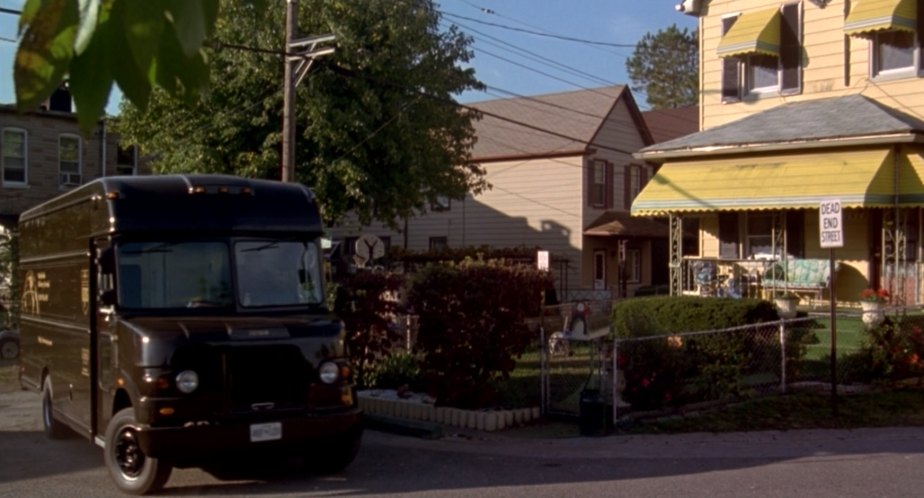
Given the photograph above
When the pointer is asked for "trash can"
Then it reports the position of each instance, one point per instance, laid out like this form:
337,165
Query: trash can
592,413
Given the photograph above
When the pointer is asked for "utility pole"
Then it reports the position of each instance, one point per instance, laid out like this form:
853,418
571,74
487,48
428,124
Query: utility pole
300,54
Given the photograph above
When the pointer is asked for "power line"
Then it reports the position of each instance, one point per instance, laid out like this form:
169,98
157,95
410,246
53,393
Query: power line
543,73
350,73
539,33
537,57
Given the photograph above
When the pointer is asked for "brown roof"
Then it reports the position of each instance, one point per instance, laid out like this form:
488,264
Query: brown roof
544,125
622,224
668,124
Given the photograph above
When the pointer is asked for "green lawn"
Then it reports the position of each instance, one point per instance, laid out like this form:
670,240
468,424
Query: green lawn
850,337
897,407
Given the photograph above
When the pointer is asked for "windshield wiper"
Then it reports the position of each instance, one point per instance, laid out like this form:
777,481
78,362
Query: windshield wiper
268,245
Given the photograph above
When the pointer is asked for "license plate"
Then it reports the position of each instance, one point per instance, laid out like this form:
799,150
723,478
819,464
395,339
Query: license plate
265,432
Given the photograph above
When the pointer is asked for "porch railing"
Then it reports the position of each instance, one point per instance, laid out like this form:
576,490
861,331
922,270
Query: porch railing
723,277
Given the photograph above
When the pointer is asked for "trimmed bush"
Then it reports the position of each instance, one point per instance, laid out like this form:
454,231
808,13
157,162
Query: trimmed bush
670,369
367,302
659,315
473,326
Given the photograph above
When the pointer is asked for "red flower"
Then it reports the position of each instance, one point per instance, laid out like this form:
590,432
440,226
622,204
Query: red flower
874,295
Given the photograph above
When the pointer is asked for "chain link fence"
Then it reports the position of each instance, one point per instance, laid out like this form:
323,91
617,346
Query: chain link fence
648,376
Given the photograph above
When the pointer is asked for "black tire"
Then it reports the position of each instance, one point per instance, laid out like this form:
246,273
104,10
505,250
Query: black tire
53,428
132,471
9,349
334,454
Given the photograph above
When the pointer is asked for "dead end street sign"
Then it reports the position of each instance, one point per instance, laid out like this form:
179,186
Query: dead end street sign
830,223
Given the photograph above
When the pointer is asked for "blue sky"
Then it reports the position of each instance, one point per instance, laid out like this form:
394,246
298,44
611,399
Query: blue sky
509,34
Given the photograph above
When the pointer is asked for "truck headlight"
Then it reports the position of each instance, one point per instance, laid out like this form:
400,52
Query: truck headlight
187,381
329,372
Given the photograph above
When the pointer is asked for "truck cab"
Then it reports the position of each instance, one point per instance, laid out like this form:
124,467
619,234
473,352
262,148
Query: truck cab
172,319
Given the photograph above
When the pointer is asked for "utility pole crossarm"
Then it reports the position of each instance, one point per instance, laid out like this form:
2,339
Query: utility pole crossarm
300,54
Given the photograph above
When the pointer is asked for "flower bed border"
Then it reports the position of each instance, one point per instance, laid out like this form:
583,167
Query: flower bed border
381,402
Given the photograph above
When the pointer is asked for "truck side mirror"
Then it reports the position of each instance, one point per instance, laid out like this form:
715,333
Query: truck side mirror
107,297
105,280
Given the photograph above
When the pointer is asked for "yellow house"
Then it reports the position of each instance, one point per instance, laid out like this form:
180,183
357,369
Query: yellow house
802,102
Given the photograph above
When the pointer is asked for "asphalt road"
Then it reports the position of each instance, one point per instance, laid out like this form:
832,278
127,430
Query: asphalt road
816,463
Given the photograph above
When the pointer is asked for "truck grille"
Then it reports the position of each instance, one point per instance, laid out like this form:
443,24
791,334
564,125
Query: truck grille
266,378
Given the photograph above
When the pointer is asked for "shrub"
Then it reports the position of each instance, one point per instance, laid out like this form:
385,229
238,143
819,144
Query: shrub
472,326
397,370
894,350
367,303
680,369
659,315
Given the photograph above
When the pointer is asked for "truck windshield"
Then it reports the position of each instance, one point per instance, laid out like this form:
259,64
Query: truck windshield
174,275
277,273
158,274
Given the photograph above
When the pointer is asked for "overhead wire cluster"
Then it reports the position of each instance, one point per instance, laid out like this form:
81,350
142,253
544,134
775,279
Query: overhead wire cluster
565,73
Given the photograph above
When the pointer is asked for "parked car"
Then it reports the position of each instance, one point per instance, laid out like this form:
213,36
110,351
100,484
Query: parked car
9,344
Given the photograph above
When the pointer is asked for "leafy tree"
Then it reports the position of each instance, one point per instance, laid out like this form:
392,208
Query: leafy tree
665,66
95,43
377,131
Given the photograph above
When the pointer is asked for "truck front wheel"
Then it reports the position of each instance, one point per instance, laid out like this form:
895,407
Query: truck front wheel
133,471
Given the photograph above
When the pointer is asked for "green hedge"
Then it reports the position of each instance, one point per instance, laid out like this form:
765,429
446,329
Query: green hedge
657,315
679,370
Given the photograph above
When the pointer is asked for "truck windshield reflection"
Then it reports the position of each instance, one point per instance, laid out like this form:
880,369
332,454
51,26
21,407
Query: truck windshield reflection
158,274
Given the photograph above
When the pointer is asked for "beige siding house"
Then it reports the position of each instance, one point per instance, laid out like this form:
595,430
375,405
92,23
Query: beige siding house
563,176
801,102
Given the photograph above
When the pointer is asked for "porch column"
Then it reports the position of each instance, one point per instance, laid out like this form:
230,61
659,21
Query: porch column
676,254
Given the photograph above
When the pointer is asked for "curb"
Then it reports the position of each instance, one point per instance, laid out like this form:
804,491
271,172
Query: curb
404,427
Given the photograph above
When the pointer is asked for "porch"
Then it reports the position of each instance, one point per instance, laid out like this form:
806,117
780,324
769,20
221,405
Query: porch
809,278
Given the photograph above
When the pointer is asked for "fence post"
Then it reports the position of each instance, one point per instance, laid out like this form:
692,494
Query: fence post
615,390
543,372
783,356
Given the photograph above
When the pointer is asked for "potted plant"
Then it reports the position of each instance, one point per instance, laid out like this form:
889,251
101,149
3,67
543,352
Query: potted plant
873,301
786,302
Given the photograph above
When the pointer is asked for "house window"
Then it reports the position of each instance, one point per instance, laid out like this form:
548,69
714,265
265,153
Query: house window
441,203
691,236
127,160
895,48
633,266
758,73
600,184
438,244
893,52
15,161
728,235
759,235
762,73
69,154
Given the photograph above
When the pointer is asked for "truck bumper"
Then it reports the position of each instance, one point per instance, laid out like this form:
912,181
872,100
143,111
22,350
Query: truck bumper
204,439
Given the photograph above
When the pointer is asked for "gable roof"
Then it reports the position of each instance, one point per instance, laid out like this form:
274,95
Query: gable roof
668,124
547,125
622,224
839,119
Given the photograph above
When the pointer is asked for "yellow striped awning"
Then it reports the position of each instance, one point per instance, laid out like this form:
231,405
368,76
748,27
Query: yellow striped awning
859,178
753,33
911,176
869,16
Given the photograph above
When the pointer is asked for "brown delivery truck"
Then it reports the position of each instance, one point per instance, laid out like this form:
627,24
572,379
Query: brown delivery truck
176,319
